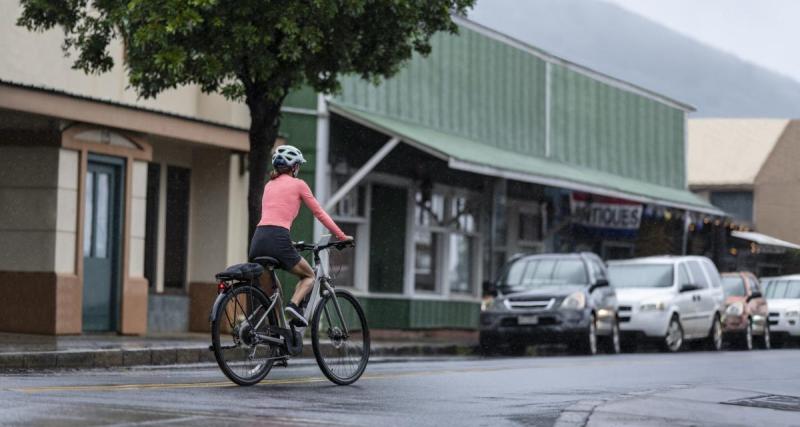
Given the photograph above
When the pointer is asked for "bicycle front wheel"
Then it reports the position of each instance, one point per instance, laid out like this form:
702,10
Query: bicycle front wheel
340,337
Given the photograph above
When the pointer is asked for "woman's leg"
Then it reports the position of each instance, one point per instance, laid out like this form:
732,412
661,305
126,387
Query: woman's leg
306,274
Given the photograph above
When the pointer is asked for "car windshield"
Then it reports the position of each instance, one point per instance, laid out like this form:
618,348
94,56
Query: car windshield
640,275
777,289
734,286
538,273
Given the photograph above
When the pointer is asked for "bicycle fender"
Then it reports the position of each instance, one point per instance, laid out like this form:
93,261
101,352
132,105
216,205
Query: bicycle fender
213,315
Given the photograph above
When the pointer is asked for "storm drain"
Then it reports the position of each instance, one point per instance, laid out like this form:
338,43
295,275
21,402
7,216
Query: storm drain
769,401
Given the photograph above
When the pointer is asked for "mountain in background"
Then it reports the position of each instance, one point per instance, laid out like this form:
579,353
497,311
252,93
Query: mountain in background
614,41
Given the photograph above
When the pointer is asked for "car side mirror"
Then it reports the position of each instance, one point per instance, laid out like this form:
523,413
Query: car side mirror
753,296
489,288
688,287
599,283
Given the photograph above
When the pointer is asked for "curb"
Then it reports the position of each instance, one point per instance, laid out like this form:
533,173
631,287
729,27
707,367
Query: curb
85,359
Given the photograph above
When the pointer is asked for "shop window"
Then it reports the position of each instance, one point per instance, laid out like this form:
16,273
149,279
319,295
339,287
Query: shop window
429,211
445,240
617,250
343,263
460,263
425,262
529,228
352,204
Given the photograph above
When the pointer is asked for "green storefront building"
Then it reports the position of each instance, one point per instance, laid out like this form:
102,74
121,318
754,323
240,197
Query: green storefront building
482,150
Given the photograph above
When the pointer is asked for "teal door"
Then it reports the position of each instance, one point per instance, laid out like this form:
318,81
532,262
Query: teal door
101,243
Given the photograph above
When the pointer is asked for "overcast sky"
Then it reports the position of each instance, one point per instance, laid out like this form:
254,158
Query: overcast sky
766,32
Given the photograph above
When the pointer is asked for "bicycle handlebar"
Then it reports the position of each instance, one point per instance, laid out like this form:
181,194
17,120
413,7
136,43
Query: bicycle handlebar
303,246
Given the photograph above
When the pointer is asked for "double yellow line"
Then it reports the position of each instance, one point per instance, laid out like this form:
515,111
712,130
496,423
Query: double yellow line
308,380
220,384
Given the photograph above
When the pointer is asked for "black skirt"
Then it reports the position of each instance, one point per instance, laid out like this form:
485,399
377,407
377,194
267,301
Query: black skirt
274,241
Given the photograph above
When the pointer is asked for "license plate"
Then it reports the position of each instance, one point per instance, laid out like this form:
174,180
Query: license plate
528,320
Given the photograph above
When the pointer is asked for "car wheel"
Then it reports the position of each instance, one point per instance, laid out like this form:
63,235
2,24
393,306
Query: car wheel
747,340
714,340
586,343
613,342
488,345
516,349
673,340
629,345
765,342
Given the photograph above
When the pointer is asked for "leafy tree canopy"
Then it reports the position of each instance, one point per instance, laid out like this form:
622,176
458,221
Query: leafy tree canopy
244,47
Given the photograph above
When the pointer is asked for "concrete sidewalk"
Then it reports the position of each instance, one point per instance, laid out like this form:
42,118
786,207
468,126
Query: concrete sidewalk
32,352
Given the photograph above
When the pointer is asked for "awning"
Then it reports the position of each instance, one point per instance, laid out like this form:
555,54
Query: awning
763,239
472,156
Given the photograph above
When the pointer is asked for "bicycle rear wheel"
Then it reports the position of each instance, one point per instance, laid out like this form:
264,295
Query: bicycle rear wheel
239,355
340,342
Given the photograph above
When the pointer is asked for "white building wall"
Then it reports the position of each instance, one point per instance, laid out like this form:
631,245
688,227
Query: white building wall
36,59
138,218
238,240
208,221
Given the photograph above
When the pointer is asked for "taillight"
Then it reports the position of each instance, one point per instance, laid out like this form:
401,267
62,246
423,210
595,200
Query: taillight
221,287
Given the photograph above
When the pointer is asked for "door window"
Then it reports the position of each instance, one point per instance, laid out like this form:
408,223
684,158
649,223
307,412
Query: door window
713,274
88,215
683,275
97,218
597,270
698,275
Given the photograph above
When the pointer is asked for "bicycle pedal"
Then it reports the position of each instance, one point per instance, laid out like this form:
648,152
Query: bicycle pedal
282,363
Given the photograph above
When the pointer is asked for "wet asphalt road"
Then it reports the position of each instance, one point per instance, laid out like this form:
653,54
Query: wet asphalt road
463,391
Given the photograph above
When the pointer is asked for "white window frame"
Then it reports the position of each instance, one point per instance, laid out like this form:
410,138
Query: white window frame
442,289
361,268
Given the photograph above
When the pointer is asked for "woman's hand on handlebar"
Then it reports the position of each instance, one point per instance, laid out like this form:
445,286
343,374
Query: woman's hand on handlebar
346,242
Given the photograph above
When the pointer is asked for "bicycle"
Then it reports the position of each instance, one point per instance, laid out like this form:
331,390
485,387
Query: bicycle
250,333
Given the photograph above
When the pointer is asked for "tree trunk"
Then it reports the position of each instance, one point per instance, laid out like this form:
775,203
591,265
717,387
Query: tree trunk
264,123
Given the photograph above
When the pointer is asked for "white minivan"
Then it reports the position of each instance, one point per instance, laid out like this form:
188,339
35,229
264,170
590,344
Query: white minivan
670,299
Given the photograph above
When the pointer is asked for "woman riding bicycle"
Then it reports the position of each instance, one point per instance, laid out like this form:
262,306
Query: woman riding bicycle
279,207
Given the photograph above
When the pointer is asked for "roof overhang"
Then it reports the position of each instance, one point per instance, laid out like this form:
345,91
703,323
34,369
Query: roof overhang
763,239
471,156
66,106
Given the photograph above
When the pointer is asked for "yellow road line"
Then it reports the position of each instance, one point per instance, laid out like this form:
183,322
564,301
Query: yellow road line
305,380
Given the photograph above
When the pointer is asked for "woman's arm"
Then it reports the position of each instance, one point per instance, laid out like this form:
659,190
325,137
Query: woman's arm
323,217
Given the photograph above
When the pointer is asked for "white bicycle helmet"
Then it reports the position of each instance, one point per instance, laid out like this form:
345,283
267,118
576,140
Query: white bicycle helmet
286,156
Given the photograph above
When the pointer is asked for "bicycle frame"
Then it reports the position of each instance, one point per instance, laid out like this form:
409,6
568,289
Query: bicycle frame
322,287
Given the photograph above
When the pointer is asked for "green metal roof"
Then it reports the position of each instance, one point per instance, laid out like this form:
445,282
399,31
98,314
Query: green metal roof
483,86
467,154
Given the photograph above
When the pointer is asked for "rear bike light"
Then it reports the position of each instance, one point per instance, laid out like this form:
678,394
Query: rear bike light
220,287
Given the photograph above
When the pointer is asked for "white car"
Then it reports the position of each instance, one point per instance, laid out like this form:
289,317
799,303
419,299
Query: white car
668,299
783,299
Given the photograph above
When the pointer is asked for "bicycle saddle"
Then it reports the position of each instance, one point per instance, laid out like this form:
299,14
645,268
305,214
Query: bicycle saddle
267,261
246,271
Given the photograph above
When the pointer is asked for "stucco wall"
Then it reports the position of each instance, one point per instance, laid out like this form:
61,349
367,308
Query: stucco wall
29,214
777,193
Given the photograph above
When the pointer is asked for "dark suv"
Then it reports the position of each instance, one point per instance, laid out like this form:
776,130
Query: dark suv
557,298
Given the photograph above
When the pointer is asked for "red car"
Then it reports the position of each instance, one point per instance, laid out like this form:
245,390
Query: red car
745,318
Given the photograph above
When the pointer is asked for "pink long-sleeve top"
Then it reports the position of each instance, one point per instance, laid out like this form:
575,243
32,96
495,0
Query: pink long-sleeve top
281,203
